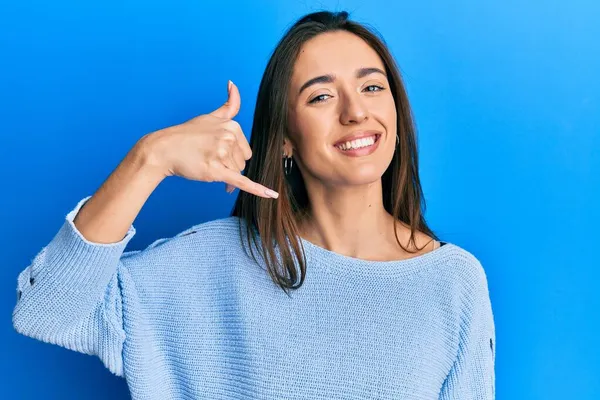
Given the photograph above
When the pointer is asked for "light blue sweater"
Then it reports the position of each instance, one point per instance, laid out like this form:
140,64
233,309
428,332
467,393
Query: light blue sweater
193,317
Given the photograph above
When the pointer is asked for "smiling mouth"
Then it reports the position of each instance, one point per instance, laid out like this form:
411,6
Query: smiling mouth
359,143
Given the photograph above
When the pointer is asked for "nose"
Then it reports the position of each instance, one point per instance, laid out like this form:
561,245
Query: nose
353,110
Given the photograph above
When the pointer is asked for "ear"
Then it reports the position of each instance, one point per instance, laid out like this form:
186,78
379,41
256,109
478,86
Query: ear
284,148
288,148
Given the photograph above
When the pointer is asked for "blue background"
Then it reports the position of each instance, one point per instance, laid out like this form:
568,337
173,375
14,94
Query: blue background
506,96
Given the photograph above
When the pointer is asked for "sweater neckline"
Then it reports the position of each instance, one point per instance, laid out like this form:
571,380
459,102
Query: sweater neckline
334,261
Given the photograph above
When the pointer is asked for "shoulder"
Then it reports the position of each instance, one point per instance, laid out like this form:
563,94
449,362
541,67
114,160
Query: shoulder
220,226
472,291
467,270
205,236
220,230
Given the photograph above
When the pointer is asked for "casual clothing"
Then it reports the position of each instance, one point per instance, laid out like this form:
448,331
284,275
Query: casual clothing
194,317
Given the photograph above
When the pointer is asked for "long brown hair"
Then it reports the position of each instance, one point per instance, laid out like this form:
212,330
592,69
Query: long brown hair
275,222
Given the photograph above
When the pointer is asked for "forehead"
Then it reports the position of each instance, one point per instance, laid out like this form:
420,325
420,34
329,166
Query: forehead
340,53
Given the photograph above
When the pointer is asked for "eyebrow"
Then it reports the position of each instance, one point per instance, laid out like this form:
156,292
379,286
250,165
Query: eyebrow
329,78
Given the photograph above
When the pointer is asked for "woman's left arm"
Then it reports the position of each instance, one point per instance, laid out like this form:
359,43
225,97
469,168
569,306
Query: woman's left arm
472,376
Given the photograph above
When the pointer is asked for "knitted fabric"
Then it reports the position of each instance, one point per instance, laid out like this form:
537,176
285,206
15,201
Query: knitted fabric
194,317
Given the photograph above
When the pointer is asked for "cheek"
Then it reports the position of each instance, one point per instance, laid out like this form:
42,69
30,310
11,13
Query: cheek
389,108
311,127
384,110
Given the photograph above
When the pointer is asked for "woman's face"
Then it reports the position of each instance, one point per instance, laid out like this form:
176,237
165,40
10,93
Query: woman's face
339,91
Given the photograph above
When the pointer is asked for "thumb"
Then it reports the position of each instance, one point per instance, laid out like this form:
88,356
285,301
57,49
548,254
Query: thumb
231,106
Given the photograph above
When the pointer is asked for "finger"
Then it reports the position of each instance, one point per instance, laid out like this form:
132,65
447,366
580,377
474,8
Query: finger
235,127
247,185
236,159
226,155
228,161
231,106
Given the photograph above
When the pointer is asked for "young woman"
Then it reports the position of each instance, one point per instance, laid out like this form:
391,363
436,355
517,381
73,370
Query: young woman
331,287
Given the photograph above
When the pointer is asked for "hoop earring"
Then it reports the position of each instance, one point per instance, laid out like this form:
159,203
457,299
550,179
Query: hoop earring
397,140
288,163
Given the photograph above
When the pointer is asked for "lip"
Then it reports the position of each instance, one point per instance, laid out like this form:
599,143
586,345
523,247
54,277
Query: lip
356,135
363,151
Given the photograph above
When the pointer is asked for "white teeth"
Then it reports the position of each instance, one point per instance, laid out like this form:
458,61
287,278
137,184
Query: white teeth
357,144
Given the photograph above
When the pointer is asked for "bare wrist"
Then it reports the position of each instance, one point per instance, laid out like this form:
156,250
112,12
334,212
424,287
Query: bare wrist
145,156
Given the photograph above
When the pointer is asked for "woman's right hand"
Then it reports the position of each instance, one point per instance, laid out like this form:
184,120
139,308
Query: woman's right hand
208,148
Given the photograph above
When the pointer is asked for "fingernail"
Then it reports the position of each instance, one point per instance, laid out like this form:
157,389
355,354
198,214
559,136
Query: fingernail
229,86
271,193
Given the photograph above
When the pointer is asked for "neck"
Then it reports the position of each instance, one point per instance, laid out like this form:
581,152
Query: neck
349,220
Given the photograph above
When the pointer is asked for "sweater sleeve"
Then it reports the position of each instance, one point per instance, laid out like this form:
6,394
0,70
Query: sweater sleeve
472,376
69,295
